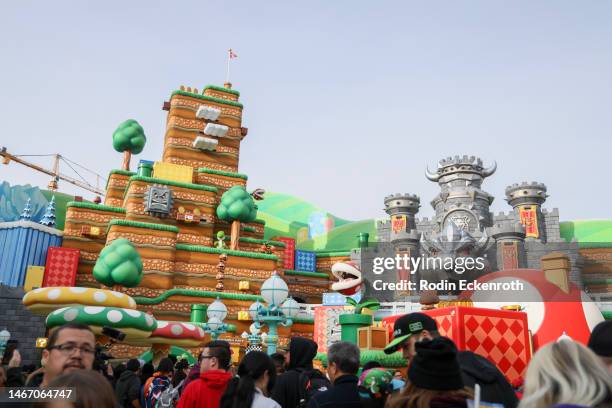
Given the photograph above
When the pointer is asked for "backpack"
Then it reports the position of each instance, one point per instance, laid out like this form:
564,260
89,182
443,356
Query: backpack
169,396
311,383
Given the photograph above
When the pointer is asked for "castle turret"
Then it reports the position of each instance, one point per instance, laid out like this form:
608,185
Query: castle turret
510,241
402,208
461,200
403,234
526,199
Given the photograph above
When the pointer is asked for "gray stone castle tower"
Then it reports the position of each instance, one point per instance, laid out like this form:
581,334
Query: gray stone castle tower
463,224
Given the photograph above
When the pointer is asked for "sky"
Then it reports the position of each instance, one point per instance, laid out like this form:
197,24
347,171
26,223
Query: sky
345,101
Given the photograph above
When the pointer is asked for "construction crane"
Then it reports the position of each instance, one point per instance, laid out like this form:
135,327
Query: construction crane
55,173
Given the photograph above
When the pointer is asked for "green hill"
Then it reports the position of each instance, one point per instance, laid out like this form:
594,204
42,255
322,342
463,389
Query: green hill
589,233
285,214
342,238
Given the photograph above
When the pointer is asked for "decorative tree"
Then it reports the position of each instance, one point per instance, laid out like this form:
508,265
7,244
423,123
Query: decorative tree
236,206
26,214
48,218
129,138
119,264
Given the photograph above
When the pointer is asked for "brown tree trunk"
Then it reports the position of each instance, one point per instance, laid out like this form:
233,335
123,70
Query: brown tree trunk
127,155
235,235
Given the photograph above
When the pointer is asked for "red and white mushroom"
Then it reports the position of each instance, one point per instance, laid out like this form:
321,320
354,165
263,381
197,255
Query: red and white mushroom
551,312
175,334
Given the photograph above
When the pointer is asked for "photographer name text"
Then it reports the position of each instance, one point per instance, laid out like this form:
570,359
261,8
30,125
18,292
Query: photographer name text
447,285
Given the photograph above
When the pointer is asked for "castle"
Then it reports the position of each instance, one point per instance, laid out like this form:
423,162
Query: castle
463,224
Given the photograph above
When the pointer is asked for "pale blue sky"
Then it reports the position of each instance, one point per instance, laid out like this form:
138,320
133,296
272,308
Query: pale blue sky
345,101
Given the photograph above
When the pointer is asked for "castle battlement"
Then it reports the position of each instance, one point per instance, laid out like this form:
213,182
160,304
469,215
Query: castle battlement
526,193
526,185
402,196
460,160
466,165
402,204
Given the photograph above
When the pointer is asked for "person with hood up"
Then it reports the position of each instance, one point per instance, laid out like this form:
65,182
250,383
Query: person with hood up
412,328
127,389
301,381
206,391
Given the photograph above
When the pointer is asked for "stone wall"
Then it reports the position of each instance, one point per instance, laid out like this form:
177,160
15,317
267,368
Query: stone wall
24,326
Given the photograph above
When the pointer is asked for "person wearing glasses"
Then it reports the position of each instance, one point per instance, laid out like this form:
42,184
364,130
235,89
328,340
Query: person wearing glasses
206,391
70,347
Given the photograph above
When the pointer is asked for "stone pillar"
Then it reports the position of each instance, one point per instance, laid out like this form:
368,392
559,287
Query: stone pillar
556,267
510,241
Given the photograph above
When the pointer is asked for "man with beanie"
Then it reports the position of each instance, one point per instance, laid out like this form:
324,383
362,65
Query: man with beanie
413,328
127,389
300,381
342,367
206,391
600,342
435,365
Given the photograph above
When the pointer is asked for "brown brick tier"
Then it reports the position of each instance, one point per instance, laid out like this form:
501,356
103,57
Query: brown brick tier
115,189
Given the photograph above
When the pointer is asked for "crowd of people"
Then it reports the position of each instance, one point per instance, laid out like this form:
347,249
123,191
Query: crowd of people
560,374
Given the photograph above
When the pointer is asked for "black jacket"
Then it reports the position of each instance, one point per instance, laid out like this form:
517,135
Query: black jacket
493,385
343,394
127,389
286,391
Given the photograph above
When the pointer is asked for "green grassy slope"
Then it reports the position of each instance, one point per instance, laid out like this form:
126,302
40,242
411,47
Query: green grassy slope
285,214
589,233
342,238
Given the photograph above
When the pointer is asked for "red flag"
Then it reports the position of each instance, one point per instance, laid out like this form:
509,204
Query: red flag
232,55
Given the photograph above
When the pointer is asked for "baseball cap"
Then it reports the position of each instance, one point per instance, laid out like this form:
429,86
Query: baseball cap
408,325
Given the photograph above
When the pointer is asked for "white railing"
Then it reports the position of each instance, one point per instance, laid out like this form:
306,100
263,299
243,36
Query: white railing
398,308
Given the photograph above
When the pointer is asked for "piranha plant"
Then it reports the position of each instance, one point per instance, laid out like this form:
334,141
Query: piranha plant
129,138
350,323
119,263
236,206
364,306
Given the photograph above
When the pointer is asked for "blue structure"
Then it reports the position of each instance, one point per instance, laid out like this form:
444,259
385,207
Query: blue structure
305,261
24,243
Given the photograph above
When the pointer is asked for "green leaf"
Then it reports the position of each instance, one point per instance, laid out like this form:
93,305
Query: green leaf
370,303
130,136
351,301
237,205
119,263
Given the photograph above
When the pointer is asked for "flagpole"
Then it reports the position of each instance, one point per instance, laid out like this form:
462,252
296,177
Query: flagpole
229,57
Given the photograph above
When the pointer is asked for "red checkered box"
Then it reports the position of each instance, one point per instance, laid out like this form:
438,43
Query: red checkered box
61,266
501,336
288,260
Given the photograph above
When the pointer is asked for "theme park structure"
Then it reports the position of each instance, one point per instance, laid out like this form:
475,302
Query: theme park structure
176,255
171,219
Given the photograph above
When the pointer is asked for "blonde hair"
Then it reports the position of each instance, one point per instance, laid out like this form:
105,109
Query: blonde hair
566,372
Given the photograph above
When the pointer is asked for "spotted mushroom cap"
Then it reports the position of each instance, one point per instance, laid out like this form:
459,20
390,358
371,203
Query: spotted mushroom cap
175,334
45,300
134,323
